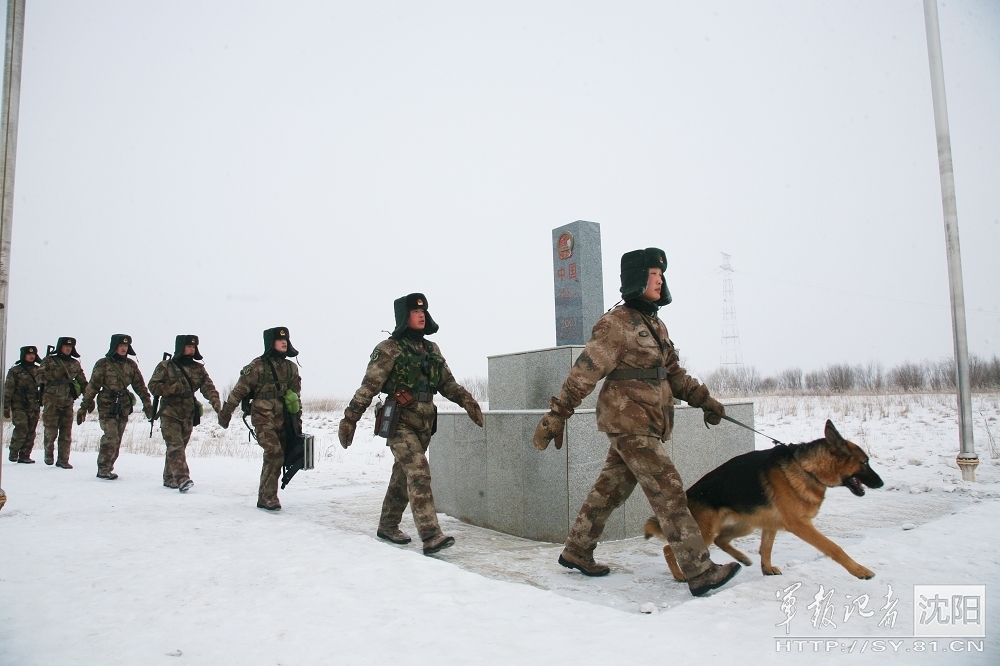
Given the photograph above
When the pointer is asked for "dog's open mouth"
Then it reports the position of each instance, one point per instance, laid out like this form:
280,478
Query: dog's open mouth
854,484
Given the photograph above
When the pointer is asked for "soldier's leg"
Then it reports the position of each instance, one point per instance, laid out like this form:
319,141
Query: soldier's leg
19,419
176,434
50,430
658,478
270,471
409,449
29,437
110,441
613,486
396,499
65,425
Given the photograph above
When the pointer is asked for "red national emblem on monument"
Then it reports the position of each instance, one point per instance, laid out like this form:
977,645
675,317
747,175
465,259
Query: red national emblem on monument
565,245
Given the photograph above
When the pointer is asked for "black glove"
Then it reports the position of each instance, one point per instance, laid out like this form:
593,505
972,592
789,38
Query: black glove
346,431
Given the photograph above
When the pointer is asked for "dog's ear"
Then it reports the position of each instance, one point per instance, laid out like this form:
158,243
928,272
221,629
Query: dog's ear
833,437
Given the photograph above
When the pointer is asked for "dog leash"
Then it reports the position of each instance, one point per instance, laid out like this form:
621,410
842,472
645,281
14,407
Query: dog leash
744,425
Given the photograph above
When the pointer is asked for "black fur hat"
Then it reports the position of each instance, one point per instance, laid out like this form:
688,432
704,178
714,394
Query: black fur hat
402,307
65,341
182,341
120,339
30,349
279,333
635,273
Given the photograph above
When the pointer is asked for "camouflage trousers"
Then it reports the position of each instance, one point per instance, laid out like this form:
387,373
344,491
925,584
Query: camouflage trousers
57,422
22,440
176,433
111,441
410,483
271,438
640,459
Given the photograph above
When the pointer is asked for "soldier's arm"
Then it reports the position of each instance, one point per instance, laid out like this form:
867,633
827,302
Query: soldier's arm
451,389
158,378
379,366
8,390
244,386
209,391
139,386
683,385
296,382
600,356
91,388
82,378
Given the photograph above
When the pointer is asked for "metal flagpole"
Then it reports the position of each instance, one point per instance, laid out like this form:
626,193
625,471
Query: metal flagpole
8,151
967,459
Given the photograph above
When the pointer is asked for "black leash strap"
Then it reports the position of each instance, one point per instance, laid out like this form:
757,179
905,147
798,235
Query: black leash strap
744,425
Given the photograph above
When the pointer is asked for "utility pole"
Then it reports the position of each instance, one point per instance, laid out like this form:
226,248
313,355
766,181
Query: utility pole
731,358
967,459
8,152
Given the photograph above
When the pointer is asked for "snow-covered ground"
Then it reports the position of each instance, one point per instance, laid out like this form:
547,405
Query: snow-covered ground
128,572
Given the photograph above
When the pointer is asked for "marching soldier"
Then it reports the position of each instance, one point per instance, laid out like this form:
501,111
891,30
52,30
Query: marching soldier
410,369
272,386
631,351
177,380
63,382
109,383
21,404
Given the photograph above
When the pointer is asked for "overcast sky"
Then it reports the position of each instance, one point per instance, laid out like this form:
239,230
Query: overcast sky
218,168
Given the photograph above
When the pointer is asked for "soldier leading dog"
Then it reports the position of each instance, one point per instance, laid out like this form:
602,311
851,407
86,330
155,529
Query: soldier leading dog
781,488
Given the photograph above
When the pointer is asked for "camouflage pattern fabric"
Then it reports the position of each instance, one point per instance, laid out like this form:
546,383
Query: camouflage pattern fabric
22,440
177,434
623,339
111,441
177,411
56,373
266,414
20,390
110,376
410,481
177,398
640,459
57,422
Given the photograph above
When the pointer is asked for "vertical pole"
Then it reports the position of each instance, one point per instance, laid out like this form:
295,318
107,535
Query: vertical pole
8,151
967,459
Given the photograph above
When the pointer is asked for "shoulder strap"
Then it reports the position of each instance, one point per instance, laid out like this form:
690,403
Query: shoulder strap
65,369
652,331
184,372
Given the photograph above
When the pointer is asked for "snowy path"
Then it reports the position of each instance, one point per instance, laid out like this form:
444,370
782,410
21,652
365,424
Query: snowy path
127,572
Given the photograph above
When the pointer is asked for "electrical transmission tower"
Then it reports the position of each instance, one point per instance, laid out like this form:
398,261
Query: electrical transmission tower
732,357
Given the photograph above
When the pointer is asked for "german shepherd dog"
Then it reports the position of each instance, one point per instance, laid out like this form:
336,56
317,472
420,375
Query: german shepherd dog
781,488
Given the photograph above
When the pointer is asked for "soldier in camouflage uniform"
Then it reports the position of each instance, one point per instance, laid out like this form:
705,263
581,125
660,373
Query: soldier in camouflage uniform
21,404
176,381
109,384
63,381
408,362
631,351
270,382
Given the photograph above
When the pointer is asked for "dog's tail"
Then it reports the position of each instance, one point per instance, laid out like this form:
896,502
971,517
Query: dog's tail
652,529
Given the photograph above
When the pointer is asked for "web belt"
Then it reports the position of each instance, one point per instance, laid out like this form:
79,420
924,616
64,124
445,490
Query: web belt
659,372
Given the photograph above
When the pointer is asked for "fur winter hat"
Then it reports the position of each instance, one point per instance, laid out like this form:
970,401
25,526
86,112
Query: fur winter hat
64,341
403,306
635,273
279,333
31,349
120,339
182,341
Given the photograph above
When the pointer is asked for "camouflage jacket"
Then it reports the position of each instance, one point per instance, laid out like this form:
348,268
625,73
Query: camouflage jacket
389,361
113,376
178,398
623,339
266,388
20,391
57,373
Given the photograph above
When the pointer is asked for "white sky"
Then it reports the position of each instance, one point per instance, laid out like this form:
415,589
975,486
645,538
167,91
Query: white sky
219,168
